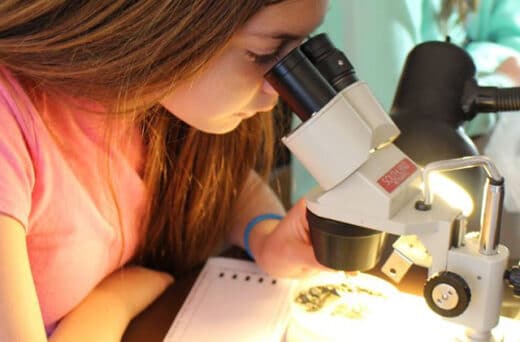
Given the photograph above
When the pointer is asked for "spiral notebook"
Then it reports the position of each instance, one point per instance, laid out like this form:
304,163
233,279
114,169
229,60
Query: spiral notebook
233,300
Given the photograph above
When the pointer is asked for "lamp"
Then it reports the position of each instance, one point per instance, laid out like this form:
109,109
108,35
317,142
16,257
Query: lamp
437,92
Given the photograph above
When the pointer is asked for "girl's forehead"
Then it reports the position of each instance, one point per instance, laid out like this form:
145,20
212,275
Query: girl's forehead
287,18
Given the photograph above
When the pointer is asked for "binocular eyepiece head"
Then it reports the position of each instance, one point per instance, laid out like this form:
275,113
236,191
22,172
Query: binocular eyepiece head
307,79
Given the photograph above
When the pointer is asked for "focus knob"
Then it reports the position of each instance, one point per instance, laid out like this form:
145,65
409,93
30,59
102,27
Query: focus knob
447,294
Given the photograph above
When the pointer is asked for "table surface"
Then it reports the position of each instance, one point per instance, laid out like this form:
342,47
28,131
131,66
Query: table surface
155,321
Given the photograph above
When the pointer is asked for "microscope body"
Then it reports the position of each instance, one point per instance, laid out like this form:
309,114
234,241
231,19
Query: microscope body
368,188
378,189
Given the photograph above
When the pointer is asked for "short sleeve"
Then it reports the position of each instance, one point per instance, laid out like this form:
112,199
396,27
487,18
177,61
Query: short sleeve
16,167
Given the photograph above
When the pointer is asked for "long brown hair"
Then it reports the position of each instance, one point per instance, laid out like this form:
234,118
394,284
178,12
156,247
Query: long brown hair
127,54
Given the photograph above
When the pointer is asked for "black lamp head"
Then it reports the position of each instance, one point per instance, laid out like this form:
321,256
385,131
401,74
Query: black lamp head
428,110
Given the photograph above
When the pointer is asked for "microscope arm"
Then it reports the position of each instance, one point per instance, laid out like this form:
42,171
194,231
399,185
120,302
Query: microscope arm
457,164
492,201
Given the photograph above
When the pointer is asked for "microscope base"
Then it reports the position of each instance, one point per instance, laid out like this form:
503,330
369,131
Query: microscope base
496,335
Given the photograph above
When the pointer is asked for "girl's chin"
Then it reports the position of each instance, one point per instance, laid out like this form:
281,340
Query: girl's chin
223,127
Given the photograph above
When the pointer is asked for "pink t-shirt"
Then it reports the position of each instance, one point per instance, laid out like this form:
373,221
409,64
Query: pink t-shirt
53,180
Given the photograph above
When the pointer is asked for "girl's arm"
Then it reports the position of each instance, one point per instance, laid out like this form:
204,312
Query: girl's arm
102,316
256,198
281,248
20,316
105,313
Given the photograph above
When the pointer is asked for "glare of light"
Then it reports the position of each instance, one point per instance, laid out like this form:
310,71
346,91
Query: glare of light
451,193
388,318
324,324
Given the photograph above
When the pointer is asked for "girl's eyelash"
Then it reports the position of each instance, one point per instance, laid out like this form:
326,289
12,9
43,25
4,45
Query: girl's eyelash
264,59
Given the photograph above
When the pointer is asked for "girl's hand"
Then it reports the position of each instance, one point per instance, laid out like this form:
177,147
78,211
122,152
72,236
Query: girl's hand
286,251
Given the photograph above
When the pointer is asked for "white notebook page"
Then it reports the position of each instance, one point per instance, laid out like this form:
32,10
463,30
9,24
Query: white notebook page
233,300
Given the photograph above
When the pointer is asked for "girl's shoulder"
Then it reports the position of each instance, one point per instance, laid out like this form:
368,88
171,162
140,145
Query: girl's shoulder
15,104
11,89
18,148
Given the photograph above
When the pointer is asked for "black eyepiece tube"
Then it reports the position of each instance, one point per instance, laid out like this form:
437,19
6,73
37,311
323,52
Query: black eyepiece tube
330,61
300,84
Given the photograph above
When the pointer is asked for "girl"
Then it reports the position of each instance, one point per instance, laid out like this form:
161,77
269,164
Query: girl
130,135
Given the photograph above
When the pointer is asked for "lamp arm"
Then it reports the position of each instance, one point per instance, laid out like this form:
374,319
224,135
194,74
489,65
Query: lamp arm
477,99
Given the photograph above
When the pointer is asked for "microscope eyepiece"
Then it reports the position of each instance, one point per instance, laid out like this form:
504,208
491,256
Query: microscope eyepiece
317,78
300,84
330,61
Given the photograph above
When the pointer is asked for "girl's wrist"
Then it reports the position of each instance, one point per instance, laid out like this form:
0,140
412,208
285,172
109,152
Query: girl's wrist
257,231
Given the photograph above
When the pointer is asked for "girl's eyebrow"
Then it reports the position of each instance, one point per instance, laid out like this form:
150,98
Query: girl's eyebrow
279,35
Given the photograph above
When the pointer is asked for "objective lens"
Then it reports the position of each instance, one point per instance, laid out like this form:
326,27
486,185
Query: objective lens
331,62
300,84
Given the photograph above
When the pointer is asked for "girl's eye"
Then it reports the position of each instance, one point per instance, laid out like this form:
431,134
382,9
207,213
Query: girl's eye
263,60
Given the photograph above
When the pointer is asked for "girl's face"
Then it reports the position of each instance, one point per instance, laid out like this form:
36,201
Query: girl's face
232,87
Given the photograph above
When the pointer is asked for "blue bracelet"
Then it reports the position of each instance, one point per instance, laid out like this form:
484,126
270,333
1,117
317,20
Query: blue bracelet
252,224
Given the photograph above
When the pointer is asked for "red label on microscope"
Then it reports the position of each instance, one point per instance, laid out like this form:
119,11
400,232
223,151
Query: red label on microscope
397,175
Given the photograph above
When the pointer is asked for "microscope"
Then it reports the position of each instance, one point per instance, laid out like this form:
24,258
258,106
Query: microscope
369,188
